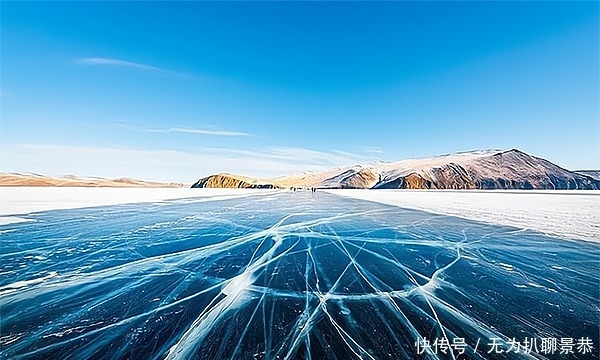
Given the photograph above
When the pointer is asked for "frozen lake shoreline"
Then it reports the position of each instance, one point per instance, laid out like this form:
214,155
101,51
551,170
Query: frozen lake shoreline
572,214
24,200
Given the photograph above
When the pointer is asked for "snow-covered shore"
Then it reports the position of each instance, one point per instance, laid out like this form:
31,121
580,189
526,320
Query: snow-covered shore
24,200
569,214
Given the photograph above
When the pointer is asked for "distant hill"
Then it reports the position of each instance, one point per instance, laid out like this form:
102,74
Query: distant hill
30,179
231,181
483,169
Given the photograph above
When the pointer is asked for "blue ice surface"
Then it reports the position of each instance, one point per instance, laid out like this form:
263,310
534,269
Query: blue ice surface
289,275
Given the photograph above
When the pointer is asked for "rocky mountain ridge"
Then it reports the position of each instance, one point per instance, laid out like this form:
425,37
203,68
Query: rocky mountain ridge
484,169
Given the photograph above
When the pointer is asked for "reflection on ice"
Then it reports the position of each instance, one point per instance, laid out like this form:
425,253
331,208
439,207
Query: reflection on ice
300,276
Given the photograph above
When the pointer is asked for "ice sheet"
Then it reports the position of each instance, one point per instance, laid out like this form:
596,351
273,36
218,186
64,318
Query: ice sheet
292,275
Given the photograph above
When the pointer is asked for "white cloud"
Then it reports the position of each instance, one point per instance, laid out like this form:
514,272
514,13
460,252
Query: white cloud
333,158
373,150
180,129
121,63
165,164
198,131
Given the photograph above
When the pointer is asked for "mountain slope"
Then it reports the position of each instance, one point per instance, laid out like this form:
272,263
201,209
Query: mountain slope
486,169
591,173
356,178
231,181
512,169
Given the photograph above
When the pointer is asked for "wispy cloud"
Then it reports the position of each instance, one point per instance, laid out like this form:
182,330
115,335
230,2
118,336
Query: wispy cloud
205,130
101,61
314,157
373,150
167,164
198,131
275,161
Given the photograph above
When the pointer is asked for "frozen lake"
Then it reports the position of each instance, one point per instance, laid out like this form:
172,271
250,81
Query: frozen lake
293,275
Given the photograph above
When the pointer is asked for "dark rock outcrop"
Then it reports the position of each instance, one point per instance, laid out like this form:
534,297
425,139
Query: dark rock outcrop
410,181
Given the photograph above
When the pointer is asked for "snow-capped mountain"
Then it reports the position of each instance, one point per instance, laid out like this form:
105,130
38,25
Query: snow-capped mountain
482,169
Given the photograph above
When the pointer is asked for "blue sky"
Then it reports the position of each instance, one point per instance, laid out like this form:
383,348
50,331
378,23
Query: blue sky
176,91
